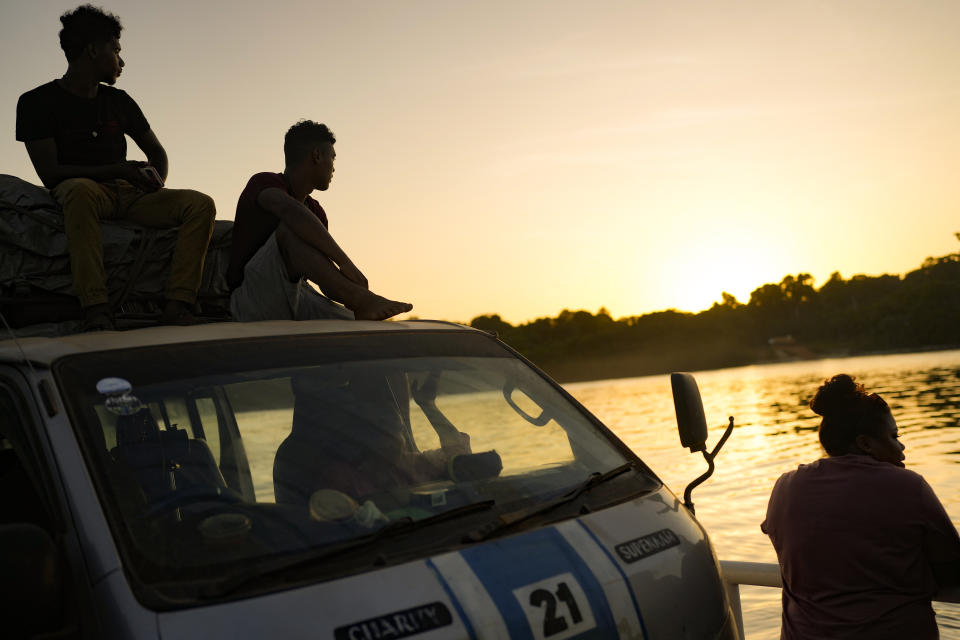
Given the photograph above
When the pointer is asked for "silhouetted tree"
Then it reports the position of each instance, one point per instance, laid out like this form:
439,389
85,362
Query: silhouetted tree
861,314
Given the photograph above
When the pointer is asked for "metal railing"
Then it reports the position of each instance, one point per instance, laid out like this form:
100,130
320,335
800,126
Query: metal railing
765,574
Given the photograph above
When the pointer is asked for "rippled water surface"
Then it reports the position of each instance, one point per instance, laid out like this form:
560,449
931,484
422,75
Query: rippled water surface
775,432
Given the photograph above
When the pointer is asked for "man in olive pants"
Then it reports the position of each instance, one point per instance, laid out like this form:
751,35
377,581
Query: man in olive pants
74,129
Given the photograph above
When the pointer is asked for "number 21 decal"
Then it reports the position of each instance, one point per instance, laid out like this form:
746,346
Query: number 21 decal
556,608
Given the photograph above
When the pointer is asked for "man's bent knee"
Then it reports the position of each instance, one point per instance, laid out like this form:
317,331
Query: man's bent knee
200,200
197,203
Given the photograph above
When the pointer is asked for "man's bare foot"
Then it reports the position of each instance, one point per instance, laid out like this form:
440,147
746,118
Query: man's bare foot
374,307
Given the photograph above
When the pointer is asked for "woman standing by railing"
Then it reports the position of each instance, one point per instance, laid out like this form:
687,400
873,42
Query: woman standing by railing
863,543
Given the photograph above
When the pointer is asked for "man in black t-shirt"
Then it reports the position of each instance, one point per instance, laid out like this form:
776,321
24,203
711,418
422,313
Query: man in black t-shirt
74,129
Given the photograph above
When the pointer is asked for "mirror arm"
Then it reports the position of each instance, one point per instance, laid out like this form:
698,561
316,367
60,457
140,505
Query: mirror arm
723,438
688,492
687,499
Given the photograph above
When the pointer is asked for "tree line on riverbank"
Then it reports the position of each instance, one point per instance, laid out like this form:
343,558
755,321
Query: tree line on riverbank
788,320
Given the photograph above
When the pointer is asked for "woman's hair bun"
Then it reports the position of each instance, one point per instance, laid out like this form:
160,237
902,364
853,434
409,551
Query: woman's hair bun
837,395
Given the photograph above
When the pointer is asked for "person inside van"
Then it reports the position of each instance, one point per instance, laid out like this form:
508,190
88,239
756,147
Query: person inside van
280,241
348,435
74,129
863,543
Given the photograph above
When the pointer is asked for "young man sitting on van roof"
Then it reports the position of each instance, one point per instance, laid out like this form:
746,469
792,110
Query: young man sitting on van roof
74,129
280,240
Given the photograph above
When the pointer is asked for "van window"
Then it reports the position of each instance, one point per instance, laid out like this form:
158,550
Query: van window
20,491
263,410
271,448
207,412
25,499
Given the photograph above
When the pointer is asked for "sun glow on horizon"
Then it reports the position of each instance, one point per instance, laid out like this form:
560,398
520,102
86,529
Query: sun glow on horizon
712,261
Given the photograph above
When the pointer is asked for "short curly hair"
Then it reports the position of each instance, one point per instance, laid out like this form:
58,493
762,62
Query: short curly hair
301,138
848,411
86,25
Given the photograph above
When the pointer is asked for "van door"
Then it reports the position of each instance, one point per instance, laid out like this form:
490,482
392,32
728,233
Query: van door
35,527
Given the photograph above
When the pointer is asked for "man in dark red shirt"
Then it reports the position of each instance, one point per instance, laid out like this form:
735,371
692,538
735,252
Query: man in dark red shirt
280,240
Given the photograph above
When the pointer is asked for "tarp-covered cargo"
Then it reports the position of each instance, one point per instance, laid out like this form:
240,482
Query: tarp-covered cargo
35,279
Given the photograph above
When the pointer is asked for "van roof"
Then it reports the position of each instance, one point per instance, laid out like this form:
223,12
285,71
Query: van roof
43,351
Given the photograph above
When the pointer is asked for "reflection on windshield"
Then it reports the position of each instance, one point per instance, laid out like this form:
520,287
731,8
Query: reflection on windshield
238,461
349,440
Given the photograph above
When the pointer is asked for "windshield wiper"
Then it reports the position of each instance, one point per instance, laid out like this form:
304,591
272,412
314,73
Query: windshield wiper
396,527
508,520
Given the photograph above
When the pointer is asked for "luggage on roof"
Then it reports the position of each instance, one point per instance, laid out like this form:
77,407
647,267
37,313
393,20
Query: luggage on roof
35,278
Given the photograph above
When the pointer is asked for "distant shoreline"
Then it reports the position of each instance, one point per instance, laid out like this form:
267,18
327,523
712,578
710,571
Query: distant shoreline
574,369
782,322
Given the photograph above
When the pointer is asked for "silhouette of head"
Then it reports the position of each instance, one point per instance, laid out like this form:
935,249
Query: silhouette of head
309,145
87,25
855,421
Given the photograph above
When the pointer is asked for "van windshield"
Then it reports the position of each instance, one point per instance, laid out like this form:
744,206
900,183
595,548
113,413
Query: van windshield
249,453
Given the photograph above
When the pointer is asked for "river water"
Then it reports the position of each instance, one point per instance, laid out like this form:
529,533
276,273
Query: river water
775,431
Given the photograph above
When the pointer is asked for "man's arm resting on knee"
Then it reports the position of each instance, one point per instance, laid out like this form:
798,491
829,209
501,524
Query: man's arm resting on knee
43,155
151,147
308,228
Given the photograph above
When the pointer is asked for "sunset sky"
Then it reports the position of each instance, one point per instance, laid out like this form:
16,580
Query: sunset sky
522,157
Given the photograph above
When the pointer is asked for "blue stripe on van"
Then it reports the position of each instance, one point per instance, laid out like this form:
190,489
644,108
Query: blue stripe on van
511,563
455,602
626,580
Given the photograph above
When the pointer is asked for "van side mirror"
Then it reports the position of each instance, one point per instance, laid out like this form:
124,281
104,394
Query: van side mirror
692,426
691,422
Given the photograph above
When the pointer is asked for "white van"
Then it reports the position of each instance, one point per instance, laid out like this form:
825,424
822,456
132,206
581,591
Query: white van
326,479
